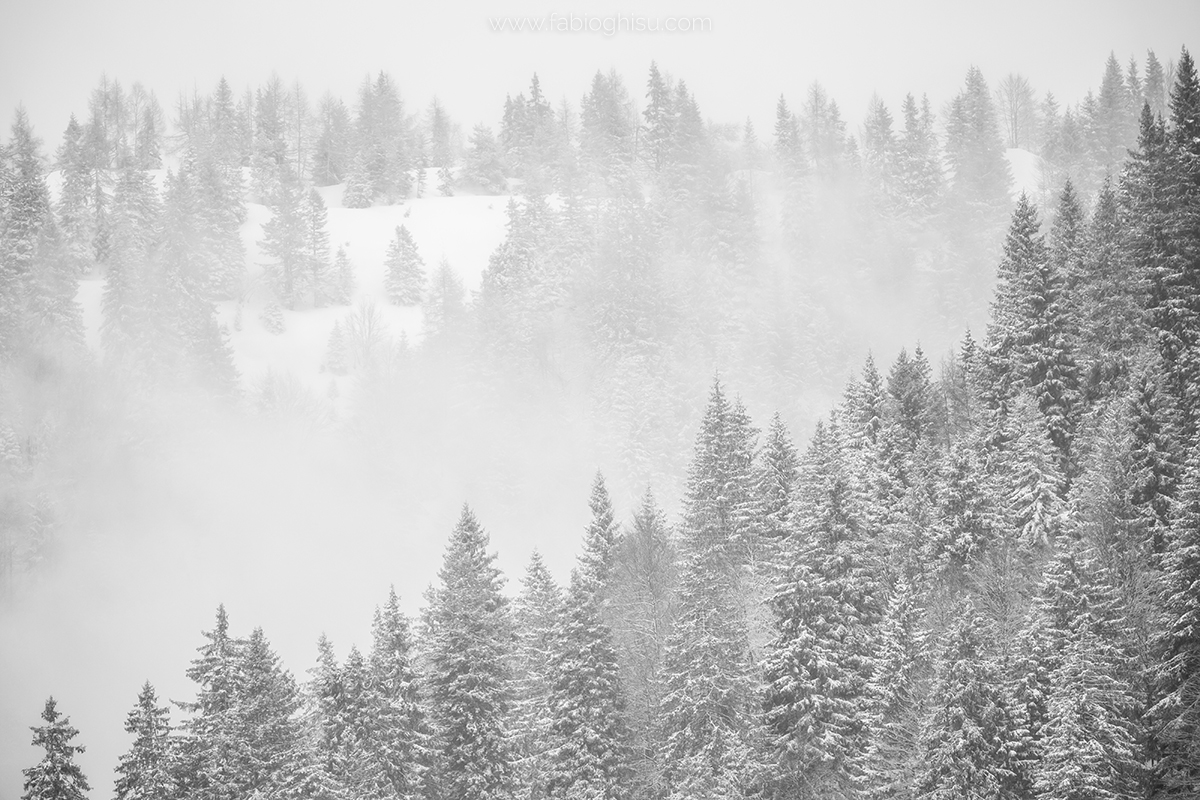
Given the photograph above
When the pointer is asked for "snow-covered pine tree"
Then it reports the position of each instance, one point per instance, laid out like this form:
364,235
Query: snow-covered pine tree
600,543
965,740
706,715
646,576
895,698
340,287
538,622
128,284
587,706
401,738
267,731
209,764
590,757
404,279
283,243
221,211
776,478
468,634
815,667
75,218
446,181
1177,713
357,192
56,776
445,301
144,771
484,167
337,352
365,774
316,250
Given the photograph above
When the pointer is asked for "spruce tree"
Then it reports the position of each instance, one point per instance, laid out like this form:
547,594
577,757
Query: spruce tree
706,716
210,762
401,738
74,199
645,601
56,776
964,744
538,621
284,243
404,279
815,666
444,304
144,771
590,755
1177,715
316,250
896,698
468,633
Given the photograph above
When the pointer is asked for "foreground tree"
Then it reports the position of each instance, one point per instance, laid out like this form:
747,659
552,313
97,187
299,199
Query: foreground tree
56,776
468,634
144,771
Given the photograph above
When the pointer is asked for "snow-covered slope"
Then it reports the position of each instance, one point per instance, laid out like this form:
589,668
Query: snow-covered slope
463,229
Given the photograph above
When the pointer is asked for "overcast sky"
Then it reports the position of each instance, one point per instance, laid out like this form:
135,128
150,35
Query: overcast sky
52,52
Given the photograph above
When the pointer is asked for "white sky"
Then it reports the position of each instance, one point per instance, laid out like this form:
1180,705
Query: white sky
52,52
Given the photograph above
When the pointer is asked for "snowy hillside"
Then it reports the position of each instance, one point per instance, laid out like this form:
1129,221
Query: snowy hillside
463,229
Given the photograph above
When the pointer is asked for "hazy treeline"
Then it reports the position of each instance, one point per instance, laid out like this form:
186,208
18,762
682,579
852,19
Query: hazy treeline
647,248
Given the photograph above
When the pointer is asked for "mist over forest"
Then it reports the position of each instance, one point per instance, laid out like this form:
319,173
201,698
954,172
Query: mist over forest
603,449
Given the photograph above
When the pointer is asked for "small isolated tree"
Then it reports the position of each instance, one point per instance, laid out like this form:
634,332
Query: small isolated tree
358,193
340,287
272,318
405,275
56,776
484,167
445,181
337,356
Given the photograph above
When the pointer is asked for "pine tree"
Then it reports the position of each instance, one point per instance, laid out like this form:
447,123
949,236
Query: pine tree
659,114
144,771
974,149
815,667
1176,713
444,303
965,741
484,167
920,172
56,776
265,712
316,249
75,218
538,619
468,633
1085,746
600,543
896,698
590,758
26,212
777,476
211,755
646,579
706,715
340,287
401,738
285,236
404,280
337,356
357,192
